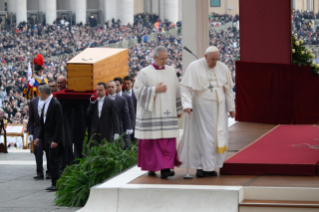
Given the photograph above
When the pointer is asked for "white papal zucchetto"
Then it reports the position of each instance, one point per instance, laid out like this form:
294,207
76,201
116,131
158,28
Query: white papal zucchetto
211,49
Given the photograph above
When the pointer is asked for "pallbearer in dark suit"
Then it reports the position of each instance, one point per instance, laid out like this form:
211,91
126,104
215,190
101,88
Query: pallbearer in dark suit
129,99
35,109
122,111
52,133
105,120
128,89
68,119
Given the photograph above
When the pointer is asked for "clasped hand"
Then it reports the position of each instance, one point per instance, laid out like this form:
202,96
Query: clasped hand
160,88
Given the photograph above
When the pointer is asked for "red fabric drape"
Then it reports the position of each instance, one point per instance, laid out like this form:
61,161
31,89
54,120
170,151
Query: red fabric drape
306,95
276,94
264,93
265,27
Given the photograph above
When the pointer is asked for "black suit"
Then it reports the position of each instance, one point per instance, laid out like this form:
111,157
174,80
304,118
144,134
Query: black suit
68,117
80,124
108,124
124,116
134,105
34,129
131,108
53,131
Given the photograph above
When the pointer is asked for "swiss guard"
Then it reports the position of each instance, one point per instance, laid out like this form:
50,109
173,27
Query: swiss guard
31,90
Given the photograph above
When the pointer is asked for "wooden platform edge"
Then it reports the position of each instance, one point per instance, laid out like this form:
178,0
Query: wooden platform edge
279,203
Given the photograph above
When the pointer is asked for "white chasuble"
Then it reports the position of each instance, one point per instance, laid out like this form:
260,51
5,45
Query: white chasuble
208,92
156,113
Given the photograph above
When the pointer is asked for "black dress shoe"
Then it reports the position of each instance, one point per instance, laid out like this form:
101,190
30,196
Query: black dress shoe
48,177
51,188
171,173
167,173
200,173
38,177
211,174
152,174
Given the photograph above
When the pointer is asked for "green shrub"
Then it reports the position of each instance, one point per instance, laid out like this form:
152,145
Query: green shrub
101,162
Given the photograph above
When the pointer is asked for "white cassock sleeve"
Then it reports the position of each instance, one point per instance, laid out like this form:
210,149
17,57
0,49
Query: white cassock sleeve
145,95
229,94
186,97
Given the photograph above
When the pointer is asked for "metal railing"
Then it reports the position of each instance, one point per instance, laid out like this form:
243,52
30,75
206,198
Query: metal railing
223,27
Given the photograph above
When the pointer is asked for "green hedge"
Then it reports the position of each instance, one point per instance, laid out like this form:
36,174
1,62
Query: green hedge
100,163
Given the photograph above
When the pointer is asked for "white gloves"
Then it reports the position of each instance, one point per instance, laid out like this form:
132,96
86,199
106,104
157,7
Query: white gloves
116,136
30,138
129,132
32,81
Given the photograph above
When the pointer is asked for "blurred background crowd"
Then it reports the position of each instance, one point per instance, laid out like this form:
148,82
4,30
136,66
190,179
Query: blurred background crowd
58,43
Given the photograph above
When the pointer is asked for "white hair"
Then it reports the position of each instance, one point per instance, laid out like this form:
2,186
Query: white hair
159,49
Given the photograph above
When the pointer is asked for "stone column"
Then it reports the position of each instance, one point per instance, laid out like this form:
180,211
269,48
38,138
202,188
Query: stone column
195,29
72,4
110,10
180,10
162,9
294,4
12,6
171,10
2,5
42,6
155,7
309,5
80,11
50,11
125,9
147,6
21,11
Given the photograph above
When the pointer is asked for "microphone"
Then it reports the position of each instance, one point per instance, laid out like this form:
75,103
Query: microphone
187,49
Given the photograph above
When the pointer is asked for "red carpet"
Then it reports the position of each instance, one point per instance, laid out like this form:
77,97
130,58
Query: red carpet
273,154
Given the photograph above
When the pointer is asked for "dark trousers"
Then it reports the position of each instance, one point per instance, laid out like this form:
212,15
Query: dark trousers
54,160
78,149
38,153
67,157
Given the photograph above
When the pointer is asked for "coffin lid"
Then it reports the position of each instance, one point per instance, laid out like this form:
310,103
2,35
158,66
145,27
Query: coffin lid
93,55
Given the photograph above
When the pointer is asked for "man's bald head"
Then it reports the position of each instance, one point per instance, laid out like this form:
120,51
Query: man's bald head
61,83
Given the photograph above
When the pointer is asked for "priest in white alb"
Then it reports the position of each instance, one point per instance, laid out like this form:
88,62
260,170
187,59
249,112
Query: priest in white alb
159,106
207,97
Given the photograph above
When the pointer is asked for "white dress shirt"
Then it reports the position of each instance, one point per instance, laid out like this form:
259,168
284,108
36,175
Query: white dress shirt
129,92
40,106
112,96
46,106
100,105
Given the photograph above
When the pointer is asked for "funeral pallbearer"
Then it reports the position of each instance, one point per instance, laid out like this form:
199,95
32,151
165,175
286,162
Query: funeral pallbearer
34,126
207,96
159,106
51,132
103,112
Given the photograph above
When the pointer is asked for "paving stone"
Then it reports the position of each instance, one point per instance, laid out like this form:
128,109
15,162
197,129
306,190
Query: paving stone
20,192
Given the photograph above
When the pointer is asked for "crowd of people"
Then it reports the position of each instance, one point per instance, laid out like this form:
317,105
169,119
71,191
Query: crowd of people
303,27
58,43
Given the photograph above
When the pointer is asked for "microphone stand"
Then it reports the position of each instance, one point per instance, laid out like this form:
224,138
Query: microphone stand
190,51
187,176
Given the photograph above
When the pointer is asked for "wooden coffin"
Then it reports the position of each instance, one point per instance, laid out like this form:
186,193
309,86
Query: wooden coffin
95,65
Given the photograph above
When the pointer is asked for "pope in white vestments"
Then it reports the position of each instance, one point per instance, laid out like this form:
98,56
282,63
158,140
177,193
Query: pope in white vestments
207,96
159,106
